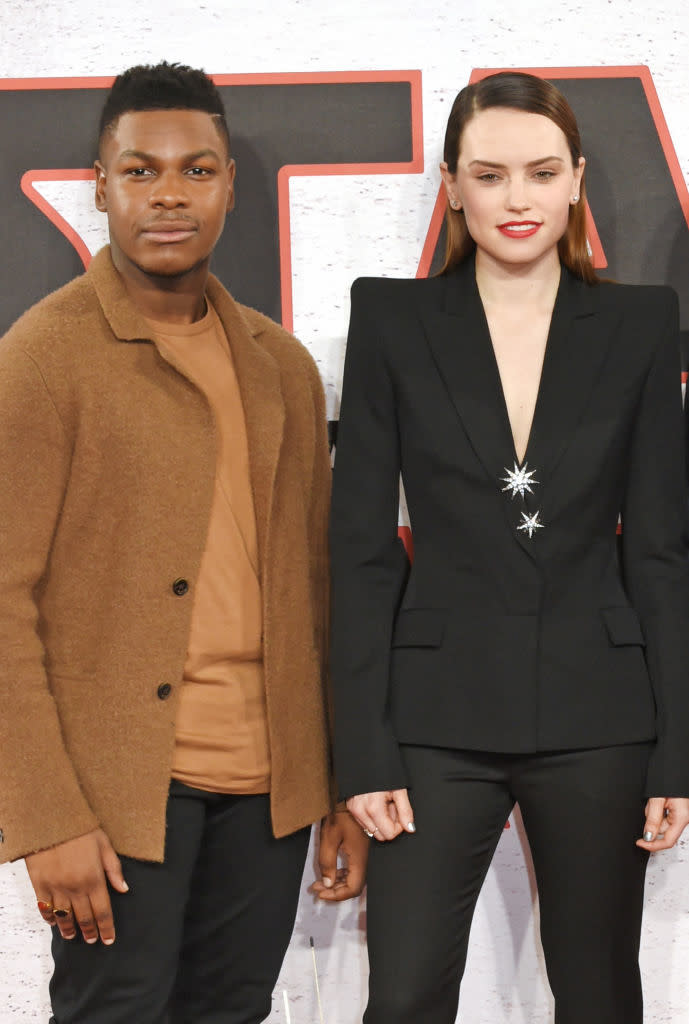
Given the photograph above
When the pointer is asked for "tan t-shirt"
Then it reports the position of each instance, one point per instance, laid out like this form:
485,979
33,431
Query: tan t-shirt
221,730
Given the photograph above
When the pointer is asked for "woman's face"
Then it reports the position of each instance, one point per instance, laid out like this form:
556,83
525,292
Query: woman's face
515,182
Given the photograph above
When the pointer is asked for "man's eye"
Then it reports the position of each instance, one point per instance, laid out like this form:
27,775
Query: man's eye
199,171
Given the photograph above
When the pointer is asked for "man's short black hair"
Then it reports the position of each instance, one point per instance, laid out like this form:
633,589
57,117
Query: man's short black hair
163,86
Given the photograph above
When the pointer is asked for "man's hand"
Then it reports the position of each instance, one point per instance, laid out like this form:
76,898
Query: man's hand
71,888
340,834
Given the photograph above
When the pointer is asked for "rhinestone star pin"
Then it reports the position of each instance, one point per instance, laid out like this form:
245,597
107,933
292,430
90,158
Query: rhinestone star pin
519,480
530,523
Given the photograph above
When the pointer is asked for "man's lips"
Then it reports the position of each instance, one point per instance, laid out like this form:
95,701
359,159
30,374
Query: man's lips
168,231
519,228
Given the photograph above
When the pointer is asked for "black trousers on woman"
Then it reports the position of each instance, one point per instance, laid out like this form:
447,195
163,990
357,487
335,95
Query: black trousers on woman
582,811
200,937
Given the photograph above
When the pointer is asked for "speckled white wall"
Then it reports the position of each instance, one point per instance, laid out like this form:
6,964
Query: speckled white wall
374,225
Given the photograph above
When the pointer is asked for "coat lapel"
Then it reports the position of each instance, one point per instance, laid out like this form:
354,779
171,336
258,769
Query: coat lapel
257,372
258,375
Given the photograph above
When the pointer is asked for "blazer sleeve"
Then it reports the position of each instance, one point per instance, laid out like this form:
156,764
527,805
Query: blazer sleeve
655,543
41,801
369,564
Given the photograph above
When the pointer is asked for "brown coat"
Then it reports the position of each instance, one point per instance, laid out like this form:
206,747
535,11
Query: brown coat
107,464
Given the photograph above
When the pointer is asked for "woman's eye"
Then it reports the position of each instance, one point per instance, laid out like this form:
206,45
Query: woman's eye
489,176
545,175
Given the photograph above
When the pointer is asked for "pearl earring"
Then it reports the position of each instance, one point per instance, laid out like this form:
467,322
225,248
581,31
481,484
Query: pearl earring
455,204
575,198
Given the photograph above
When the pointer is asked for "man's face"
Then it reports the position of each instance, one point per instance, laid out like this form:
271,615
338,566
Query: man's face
165,180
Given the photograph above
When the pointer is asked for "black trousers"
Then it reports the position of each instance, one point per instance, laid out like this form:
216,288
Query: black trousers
201,937
582,811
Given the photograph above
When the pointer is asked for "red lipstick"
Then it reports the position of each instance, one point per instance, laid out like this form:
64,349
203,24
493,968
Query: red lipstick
519,228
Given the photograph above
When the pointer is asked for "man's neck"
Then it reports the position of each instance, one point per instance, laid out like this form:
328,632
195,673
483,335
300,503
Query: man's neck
174,300
171,307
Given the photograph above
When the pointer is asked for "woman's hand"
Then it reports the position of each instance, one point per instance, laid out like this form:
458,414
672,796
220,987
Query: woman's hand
383,815
666,819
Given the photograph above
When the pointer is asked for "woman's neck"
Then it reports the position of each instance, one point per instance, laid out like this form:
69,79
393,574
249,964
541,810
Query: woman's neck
517,285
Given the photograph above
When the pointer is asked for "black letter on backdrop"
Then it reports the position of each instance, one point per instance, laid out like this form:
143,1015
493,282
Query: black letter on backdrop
271,125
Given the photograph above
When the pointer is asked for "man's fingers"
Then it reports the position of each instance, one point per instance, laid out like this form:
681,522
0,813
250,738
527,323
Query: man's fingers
340,893
101,911
355,877
327,855
92,915
45,909
111,865
63,913
350,883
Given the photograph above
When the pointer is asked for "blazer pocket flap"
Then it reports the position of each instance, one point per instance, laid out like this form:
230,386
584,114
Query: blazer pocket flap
419,627
623,627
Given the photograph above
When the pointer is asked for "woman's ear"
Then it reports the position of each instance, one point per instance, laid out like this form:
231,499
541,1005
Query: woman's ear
450,183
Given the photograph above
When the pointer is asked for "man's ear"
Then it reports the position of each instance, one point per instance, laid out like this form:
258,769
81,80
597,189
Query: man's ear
231,171
99,197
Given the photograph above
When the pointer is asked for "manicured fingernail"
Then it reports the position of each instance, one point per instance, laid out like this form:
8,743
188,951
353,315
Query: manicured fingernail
327,882
125,887
648,836
108,942
91,941
411,827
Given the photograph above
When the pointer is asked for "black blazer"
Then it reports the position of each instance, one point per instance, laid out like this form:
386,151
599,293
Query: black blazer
522,625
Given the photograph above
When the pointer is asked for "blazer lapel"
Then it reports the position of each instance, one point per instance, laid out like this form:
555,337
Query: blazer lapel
578,344
258,375
459,340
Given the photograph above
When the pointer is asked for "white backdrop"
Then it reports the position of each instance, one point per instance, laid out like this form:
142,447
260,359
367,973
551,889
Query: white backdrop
342,227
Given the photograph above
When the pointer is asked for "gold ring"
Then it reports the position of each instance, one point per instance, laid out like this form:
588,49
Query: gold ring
45,907
61,912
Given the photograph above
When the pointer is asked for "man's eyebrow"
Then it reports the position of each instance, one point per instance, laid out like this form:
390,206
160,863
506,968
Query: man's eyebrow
199,154
531,163
137,153
140,154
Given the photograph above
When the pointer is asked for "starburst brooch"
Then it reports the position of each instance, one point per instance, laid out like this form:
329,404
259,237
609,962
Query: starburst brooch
530,523
519,480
